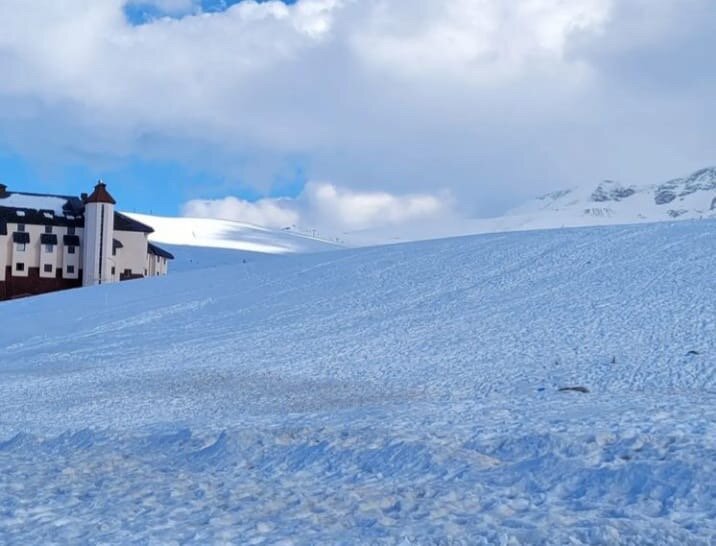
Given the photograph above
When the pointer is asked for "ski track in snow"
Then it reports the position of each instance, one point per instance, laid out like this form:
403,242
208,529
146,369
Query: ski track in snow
392,395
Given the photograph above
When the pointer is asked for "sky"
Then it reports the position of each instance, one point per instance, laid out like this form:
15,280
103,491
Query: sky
351,113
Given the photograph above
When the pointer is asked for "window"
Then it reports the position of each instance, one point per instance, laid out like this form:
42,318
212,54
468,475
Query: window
20,247
48,229
21,227
48,268
114,270
19,266
70,230
70,250
70,269
48,249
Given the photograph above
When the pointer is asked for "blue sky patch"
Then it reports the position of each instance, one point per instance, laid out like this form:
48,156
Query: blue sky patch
139,13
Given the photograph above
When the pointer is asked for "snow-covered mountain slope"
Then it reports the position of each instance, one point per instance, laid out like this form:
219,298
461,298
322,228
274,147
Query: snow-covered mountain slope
211,233
607,203
610,202
405,394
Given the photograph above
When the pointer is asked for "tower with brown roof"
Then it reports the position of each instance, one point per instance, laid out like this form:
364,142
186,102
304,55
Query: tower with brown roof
97,259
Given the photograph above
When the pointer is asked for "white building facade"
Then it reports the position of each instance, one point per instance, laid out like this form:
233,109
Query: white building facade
51,242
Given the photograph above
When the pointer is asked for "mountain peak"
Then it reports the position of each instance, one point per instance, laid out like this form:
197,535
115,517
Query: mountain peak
611,190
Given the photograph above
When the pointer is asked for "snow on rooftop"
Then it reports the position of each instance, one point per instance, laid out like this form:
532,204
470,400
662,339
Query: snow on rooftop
36,202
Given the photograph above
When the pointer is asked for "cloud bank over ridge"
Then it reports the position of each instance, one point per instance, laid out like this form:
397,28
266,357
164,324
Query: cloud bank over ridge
327,206
488,101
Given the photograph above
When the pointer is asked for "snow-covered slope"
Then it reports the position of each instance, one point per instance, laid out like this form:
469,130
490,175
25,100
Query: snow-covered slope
405,394
211,233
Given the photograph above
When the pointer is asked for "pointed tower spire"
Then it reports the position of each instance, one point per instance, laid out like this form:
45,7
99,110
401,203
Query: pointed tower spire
100,194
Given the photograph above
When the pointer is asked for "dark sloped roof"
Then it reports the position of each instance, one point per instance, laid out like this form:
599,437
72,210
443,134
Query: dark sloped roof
125,223
48,238
20,215
31,216
72,214
3,227
154,249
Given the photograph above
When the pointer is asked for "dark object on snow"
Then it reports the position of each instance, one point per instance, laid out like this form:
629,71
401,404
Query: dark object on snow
583,390
692,353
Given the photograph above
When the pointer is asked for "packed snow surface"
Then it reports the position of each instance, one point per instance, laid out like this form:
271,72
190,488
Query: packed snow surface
405,394
213,233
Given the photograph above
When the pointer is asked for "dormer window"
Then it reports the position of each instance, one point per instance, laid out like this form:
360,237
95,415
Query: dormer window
21,227
48,229
70,230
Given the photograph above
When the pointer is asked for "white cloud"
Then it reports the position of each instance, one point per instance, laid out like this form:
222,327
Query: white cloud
492,100
475,39
274,213
328,207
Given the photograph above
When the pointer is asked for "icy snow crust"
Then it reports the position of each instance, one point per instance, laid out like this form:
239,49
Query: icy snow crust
405,394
